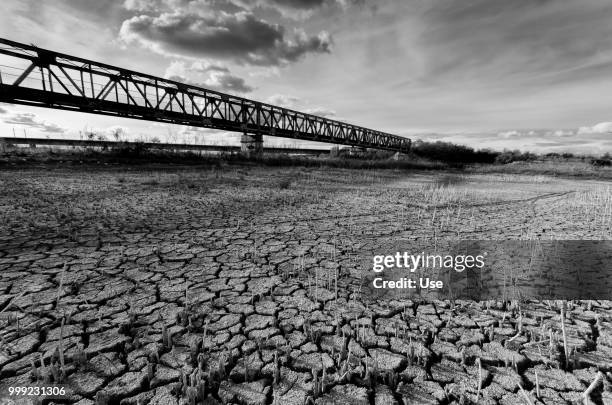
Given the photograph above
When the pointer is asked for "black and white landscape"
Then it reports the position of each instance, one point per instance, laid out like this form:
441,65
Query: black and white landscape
211,251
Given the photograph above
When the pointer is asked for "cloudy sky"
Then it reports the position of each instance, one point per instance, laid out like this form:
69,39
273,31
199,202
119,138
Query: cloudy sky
521,74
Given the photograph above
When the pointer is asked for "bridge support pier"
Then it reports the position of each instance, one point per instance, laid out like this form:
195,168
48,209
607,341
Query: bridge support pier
251,144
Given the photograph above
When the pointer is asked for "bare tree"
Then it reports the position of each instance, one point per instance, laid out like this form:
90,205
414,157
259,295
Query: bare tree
117,132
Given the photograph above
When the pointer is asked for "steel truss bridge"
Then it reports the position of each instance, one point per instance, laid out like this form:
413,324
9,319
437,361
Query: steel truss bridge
39,77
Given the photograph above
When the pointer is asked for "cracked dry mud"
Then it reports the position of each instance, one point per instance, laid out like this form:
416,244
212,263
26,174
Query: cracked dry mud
239,285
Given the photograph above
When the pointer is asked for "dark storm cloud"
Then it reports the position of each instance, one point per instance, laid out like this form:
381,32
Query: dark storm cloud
240,37
30,120
226,81
517,40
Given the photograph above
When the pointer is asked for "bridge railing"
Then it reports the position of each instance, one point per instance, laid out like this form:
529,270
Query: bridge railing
46,78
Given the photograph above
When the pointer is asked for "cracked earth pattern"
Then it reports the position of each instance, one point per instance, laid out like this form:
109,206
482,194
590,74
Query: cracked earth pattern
240,285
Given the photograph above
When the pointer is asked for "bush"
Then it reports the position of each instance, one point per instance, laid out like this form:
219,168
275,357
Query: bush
453,154
555,155
508,156
602,162
359,153
130,150
284,184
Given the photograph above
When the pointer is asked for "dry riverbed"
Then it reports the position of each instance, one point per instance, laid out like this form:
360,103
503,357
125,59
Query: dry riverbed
237,284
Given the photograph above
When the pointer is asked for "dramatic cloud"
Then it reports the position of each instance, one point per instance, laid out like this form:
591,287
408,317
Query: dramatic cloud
211,76
30,120
3,111
239,37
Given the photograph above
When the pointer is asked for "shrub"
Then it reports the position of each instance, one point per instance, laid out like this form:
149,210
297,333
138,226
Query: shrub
508,156
452,154
130,150
284,184
602,162
357,153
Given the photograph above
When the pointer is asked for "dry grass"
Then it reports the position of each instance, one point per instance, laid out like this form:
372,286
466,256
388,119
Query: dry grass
560,168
